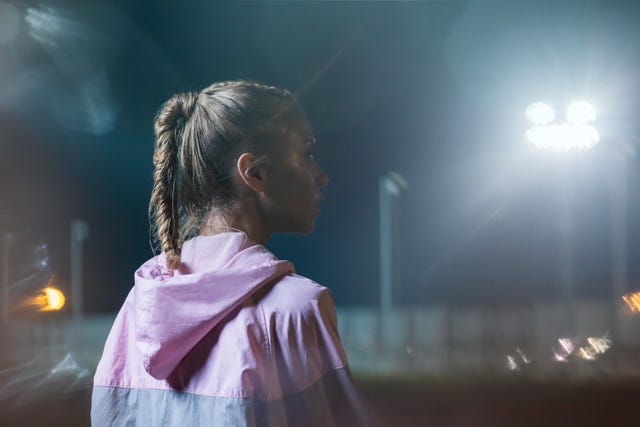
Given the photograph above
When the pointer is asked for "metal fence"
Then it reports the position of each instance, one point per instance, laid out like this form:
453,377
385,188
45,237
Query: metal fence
591,338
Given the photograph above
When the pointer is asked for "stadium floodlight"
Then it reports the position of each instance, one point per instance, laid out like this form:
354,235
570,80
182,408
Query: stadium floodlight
577,134
540,113
563,137
580,113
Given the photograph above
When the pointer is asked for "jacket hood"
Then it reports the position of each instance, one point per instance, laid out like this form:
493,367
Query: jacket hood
175,309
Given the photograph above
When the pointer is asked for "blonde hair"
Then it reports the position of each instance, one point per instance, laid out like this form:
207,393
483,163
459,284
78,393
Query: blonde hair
198,138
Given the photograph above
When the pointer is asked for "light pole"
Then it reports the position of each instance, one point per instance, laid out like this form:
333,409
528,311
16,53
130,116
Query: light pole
79,232
391,185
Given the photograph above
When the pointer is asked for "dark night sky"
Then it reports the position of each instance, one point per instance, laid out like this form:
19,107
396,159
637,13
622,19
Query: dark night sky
434,91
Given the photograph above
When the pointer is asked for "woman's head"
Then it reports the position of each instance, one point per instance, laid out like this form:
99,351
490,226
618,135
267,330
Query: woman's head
235,146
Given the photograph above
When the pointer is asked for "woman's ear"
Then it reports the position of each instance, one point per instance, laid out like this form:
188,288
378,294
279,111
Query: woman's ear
251,171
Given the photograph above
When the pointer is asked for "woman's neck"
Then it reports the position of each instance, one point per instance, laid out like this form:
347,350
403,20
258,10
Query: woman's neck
237,218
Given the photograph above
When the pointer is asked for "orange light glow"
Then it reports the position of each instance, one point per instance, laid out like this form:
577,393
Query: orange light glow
48,298
53,299
633,301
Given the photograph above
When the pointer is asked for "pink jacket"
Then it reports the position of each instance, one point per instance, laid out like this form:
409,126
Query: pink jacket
234,338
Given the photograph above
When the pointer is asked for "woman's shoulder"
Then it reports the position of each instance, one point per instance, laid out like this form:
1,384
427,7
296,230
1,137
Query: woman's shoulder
296,294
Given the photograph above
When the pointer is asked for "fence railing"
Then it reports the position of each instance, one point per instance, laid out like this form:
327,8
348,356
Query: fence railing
539,339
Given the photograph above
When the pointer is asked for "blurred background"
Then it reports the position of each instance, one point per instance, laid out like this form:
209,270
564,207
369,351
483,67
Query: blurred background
478,234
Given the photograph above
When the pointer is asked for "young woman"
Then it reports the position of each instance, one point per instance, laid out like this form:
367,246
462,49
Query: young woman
217,331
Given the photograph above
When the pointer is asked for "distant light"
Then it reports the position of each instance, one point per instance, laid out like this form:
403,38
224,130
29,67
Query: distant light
633,301
593,348
567,345
52,299
566,348
523,356
559,358
599,345
587,353
580,113
540,113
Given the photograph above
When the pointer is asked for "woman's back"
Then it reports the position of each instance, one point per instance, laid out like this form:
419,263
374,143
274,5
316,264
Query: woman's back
217,330
234,339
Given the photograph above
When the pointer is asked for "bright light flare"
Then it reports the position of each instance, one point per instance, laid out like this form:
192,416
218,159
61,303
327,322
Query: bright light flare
580,113
596,347
587,353
523,356
599,345
540,113
569,350
576,134
515,363
566,348
563,137
633,301
49,299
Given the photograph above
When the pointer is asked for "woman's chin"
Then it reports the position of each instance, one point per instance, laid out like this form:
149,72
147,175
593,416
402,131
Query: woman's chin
308,228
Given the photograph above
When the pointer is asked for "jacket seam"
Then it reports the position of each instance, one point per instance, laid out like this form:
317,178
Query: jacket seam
268,346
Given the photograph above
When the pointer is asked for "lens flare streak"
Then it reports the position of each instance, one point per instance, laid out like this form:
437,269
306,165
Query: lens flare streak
516,363
593,348
632,301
